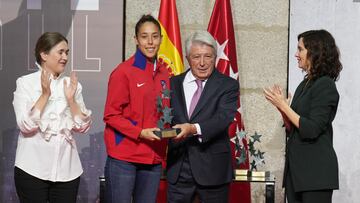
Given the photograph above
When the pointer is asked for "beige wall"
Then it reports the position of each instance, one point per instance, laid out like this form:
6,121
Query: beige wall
261,31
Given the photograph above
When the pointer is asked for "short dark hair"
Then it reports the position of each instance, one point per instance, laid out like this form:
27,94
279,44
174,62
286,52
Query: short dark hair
46,42
144,19
323,54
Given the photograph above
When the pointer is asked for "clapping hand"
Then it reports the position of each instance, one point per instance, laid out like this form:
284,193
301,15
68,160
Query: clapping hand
278,89
45,83
276,97
46,92
70,89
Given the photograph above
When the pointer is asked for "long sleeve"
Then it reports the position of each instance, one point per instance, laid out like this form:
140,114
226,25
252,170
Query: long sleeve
212,127
323,106
81,124
27,118
118,97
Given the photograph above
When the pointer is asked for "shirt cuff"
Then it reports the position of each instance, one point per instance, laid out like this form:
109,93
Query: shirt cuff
30,122
82,123
198,131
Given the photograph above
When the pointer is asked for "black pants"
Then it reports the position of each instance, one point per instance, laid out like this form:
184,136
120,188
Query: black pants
186,188
34,190
316,196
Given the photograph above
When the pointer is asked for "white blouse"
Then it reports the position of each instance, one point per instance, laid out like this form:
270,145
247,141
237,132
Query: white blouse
46,148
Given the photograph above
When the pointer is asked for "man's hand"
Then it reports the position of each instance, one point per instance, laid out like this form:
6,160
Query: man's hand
148,134
187,130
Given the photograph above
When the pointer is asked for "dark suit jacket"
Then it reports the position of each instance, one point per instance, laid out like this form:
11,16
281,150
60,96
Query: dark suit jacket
311,158
210,160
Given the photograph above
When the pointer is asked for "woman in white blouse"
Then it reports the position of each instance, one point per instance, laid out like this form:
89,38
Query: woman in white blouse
49,107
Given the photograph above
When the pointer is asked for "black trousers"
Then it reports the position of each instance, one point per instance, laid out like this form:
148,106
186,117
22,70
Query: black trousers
34,190
186,189
316,196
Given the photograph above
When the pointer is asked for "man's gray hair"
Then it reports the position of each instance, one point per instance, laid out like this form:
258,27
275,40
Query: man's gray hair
200,37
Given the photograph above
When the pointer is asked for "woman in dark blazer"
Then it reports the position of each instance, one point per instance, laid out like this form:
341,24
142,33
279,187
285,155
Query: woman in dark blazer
311,167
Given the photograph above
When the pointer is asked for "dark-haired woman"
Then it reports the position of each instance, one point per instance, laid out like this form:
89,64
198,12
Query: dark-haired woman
135,153
311,171
49,107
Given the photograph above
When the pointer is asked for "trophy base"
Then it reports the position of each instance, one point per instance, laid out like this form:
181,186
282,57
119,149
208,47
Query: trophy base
168,133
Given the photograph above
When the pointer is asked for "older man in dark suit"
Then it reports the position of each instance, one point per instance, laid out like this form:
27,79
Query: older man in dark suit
204,102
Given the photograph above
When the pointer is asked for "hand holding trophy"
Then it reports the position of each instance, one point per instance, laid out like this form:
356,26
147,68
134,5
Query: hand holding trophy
166,117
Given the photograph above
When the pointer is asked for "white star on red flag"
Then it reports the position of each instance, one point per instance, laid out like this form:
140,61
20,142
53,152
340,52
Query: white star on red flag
220,52
232,73
222,29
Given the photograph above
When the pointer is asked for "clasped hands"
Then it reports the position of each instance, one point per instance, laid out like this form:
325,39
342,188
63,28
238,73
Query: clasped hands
187,130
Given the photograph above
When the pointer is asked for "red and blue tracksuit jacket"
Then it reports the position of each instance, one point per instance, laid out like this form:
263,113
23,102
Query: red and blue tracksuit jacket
131,106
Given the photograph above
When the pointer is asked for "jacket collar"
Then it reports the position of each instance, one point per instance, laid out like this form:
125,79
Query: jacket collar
51,76
140,60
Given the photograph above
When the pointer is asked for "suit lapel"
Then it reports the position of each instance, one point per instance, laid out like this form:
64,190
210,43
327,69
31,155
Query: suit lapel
180,95
212,84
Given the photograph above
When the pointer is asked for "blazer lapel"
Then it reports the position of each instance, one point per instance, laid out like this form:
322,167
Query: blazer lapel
180,95
300,91
212,84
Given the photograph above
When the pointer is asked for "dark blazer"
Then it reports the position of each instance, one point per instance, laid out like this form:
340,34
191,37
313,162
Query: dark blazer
310,157
210,160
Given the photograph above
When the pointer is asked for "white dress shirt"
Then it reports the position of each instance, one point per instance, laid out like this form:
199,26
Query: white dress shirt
46,148
190,88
